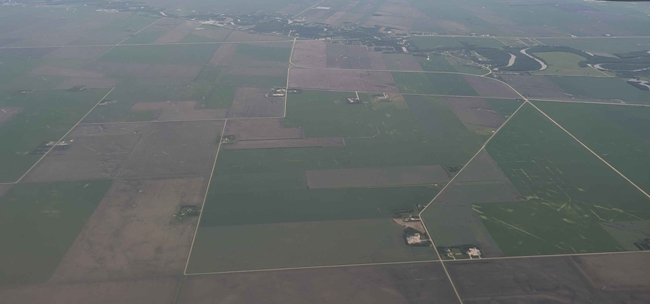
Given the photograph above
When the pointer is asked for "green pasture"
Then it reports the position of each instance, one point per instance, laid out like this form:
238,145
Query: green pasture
562,63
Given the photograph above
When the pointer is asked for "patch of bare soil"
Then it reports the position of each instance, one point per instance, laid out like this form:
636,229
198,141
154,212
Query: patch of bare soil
135,232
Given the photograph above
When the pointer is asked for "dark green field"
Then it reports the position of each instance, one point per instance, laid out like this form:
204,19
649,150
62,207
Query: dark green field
618,134
568,192
39,222
613,89
43,116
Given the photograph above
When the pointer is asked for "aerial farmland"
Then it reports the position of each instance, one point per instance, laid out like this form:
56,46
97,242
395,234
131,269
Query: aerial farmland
335,151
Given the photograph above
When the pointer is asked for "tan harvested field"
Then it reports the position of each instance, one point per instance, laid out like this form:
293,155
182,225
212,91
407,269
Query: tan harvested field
64,72
536,87
343,80
617,273
376,177
178,33
377,60
490,88
160,290
286,143
311,54
261,129
97,152
174,149
252,102
475,111
133,233
223,54
387,284
87,82
179,110
7,113
341,56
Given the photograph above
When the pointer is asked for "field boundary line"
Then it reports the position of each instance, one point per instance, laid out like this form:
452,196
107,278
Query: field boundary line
205,197
551,256
147,121
311,267
127,38
286,89
588,149
66,134
594,102
615,253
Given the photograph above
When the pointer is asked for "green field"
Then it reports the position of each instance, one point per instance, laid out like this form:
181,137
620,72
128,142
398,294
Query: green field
39,222
605,88
43,116
441,64
428,43
303,244
429,83
562,63
260,196
601,45
568,192
191,54
618,134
